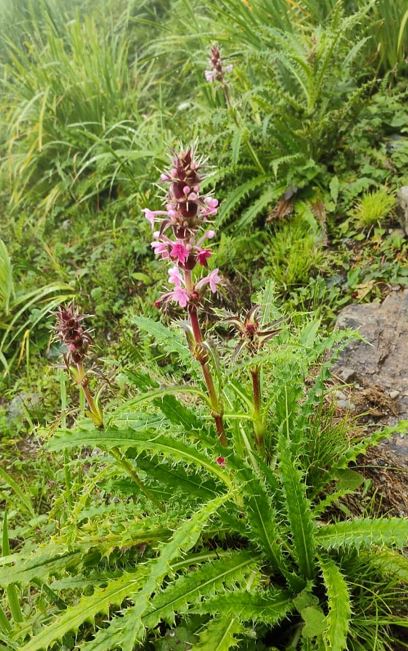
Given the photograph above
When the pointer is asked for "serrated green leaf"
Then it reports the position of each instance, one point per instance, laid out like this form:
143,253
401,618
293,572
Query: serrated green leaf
220,634
155,443
363,532
298,508
338,597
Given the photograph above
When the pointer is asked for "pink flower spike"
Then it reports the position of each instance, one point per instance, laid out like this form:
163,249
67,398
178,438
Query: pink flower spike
202,256
180,296
179,252
175,277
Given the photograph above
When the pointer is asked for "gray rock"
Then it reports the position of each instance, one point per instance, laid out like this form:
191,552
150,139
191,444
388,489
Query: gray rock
378,361
402,197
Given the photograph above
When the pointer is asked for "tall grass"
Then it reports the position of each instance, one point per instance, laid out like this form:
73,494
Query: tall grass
62,93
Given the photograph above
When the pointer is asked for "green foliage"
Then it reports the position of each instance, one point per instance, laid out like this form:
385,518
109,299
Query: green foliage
148,531
338,618
245,559
6,279
21,311
373,208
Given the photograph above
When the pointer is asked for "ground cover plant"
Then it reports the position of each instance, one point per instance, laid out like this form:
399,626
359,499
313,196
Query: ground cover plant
175,470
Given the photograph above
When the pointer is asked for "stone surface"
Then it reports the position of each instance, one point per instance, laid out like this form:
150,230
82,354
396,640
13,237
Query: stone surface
402,197
379,361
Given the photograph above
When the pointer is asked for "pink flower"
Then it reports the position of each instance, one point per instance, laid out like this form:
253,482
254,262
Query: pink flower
211,206
179,252
211,202
180,296
175,277
210,75
203,255
150,216
162,249
213,280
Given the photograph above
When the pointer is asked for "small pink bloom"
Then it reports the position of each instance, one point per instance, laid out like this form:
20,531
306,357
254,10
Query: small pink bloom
228,68
179,252
213,280
203,255
162,249
209,75
211,202
186,189
180,296
175,277
150,216
210,234
192,196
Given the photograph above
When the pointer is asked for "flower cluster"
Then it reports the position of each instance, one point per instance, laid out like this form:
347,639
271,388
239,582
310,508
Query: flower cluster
181,233
73,334
217,68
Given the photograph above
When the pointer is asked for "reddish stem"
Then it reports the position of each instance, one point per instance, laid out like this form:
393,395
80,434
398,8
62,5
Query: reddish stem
201,355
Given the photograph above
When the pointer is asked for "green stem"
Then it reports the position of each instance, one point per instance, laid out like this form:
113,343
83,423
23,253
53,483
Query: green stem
11,589
97,417
259,427
67,472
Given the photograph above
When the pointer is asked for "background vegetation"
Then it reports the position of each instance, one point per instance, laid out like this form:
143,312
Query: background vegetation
306,151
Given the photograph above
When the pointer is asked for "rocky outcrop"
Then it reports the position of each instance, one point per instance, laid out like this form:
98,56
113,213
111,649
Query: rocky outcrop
377,363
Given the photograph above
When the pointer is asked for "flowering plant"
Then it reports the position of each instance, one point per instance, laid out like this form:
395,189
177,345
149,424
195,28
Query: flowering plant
180,236
235,531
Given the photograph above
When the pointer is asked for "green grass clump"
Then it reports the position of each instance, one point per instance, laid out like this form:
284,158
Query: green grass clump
294,251
373,208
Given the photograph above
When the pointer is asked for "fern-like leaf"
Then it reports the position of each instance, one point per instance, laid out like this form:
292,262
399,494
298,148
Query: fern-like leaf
237,196
260,204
